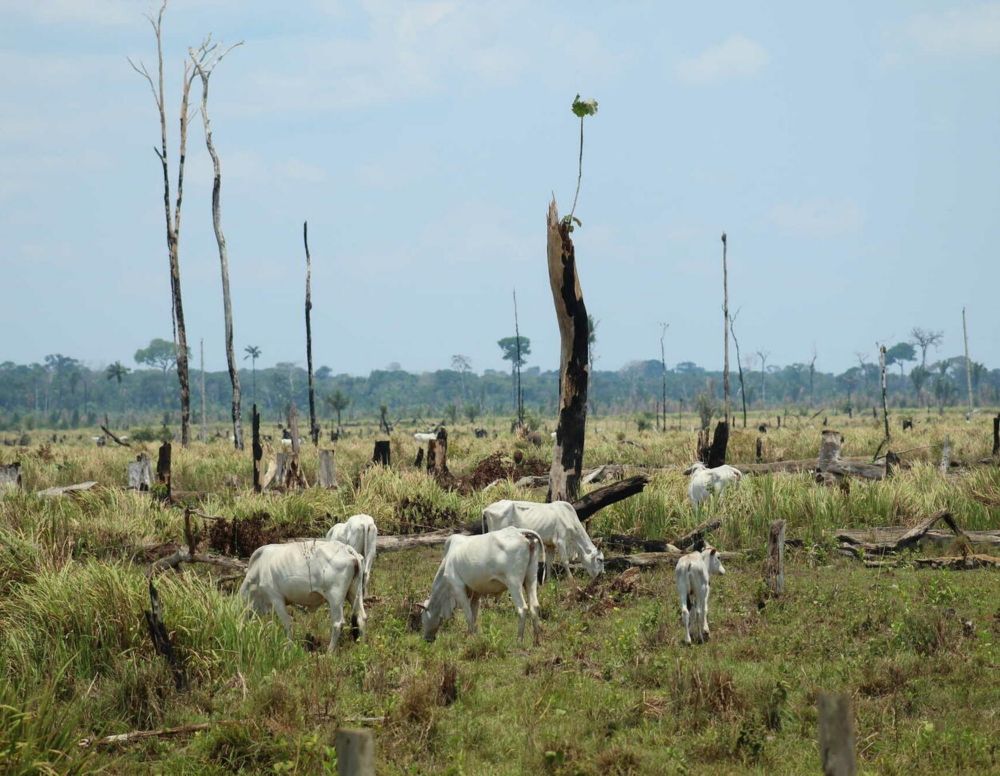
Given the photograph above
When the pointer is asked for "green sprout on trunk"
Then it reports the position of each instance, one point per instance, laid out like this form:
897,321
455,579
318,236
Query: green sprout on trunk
581,108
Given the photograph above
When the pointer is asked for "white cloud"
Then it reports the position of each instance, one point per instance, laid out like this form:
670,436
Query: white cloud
736,57
817,218
974,30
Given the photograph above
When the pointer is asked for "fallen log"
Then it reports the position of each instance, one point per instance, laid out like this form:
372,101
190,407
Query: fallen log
691,538
533,481
588,505
961,562
645,560
890,534
141,735
183,555
62,490
622,542
429,539
908,538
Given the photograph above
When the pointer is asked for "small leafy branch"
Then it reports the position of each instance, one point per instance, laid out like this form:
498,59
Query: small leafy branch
581,108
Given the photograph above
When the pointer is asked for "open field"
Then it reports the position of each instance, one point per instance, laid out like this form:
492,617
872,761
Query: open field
611,689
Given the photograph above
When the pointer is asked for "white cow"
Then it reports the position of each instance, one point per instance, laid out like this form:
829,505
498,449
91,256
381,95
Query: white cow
307,574
704,481
475,566
692,575
561,530
359,532
425,436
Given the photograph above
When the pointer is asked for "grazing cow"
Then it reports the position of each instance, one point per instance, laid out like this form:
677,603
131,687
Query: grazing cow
425,436
692,575
306,573
358,532
561,530
704,481
474,566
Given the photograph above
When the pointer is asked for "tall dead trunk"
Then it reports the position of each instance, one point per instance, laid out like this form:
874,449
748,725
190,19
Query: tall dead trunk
574,367
173,214
313,425
663,373
204,64
519,397
739,364
725,332
968,364
204,430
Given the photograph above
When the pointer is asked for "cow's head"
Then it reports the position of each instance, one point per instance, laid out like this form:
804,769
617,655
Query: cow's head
712,560
697,466
593,561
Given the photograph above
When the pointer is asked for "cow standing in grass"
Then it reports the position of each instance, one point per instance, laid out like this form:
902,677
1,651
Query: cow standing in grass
557,524
705,482
692,574
307,574
359,532
476,566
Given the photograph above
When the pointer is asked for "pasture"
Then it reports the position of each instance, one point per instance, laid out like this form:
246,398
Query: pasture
610,690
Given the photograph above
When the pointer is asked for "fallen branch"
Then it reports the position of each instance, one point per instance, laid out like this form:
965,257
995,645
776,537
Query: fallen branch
691,538
429,539
908,538
961,563
64,489
588,505
622,542
184,555
141,735
114,438
644,560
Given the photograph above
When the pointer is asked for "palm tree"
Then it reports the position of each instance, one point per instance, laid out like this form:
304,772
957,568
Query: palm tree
253,353
117,372
338,403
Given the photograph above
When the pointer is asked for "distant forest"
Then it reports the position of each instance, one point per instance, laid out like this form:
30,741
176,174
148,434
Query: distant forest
63,393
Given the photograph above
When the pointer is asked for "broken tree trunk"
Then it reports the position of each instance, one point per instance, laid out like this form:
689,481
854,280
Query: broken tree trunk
961,562
775,564
257,450
720,440
574,367
160,637
355,752
588,505
313,425
142,735
381,454
293,477
115,439
622,542
644,560
945,464
327,472
10,477
440,454
62,490
996,436
140,473
692,539
163,467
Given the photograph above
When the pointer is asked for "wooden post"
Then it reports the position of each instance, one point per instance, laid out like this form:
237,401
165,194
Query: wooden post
257,450
836,735
327,473
574,366
381,454
163,467
355,752
140,473
776,558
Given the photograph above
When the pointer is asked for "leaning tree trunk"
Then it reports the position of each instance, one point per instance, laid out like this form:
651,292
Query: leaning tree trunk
227,305
574,368
313,426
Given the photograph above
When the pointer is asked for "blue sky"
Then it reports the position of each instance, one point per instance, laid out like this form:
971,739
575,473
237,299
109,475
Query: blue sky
850,151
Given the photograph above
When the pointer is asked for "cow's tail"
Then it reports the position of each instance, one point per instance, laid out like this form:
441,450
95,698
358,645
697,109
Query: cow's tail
485,529
371,539
535,544
358,601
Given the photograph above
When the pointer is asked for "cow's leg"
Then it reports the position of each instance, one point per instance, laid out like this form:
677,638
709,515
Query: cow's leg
704,612
277,603
474,606
682,594
564,559
462,598
517,595
531,588
336,618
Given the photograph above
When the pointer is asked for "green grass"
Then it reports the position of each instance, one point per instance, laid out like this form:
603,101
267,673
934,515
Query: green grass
611,689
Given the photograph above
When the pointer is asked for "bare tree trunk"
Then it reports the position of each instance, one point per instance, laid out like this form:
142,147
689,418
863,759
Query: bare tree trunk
725,333
313,426
663,364
574,369
968,363
204,64
739,364
885,406
204,433
519,398
173,217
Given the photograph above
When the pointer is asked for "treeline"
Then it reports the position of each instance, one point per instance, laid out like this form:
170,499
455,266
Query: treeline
63,393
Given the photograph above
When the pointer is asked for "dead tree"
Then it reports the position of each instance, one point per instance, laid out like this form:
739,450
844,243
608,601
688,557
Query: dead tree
160,637
996,436
173,214
163,477
201,347
258,451
968,364
574,368
313,425
663,367
739,365
885,405
725,333
205,60
517,366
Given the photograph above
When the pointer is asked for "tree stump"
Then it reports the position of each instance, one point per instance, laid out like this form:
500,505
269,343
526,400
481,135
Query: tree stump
996,436
160,637
10,476
720,441
776,558
420,457
163,467
907,424
836,735
327,472
440,453
281,468
258,451
140,473
760,450
381,454
355,752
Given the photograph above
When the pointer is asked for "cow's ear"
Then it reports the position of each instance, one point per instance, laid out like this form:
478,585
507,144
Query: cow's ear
713,552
